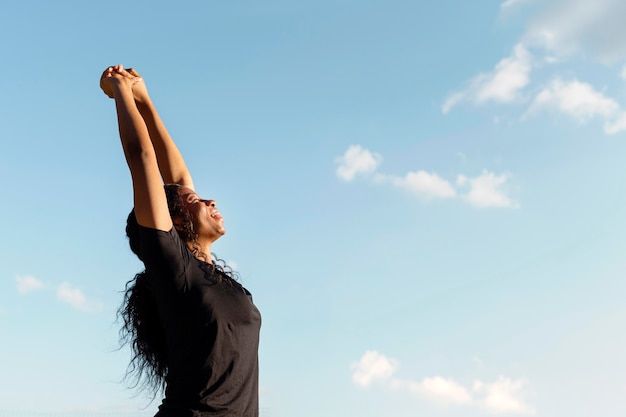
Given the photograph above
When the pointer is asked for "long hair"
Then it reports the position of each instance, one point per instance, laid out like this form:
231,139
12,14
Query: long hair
141,327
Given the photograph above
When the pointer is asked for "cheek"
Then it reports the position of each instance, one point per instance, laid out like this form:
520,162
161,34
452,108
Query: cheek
197,215
193,217
193,210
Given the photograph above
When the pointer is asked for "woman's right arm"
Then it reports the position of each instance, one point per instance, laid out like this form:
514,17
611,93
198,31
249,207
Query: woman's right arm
149,196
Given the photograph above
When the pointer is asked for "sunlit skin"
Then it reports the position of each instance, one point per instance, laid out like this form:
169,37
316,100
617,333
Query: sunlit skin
154,159
207,221
180,318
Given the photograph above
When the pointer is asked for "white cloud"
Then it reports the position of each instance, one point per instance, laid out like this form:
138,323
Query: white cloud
28,284
568,27
503,84
438,389
558,33
452,100
422,184
485,190
372,366
75,298
355,161
575,98
445,389
510,76
504,396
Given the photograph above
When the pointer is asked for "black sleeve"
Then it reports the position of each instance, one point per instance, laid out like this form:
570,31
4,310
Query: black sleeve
165,256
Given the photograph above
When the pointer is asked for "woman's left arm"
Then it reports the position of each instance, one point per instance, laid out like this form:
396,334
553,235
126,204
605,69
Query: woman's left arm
171,162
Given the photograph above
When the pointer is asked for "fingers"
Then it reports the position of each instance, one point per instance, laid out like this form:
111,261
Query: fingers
107,73
129,73
135,74
117,75
119,69
112,71
105,82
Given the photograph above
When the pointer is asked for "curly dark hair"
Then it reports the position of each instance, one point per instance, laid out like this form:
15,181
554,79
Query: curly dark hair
141,328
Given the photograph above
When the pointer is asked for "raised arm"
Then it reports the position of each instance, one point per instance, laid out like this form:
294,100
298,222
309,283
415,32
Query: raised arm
171,163
149,196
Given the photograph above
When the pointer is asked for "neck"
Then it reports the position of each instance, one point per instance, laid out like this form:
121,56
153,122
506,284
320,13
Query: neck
201,250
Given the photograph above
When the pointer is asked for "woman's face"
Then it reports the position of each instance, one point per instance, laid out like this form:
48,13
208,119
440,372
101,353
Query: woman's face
207,221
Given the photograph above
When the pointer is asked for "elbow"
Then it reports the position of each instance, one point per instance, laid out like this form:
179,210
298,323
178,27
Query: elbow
139,154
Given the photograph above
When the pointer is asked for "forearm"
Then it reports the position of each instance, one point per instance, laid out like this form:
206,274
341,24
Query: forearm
171,163
149,197
132,127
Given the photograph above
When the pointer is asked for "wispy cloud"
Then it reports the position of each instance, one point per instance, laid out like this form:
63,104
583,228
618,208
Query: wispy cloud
574,27
622,73
504,396
75,297
355,161
559,33
617,125
503,84
444,391
508,4
511,75
28,284
64,292
486,190
577,99
580,101
372,366
420,183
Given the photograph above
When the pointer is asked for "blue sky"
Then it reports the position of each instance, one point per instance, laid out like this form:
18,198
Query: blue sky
425,198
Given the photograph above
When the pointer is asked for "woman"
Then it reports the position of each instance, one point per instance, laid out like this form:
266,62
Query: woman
193,329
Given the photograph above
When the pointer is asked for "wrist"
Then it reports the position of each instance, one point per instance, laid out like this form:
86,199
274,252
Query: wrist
122,91
142,99
144,104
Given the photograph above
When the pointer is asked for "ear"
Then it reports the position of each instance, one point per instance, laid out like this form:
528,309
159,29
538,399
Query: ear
178,223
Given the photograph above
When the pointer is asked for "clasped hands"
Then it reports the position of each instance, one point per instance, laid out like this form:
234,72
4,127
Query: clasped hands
117,78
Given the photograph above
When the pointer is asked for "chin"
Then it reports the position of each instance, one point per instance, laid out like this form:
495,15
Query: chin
219,234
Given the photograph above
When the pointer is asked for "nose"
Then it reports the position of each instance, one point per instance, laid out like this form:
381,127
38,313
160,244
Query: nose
210,203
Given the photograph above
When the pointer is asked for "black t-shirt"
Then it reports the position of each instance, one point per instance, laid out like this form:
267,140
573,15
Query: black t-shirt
211,329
